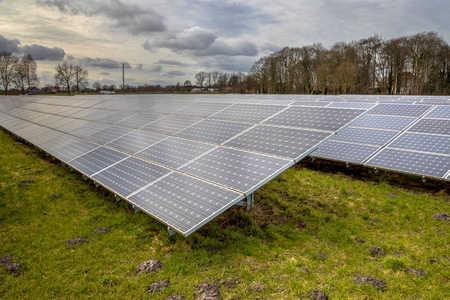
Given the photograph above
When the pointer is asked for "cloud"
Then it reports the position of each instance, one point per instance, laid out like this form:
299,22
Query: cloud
134,19
198,41
269,47
8,45
40,52
170,62
105,63
139,66
156,69
105,73
174,73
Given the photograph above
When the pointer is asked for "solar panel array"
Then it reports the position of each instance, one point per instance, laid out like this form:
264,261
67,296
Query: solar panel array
182,159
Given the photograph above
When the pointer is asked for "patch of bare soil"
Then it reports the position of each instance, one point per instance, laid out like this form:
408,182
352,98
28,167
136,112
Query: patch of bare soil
375,282
103,230
158,286
174,297
441,216
149,266
360,241
14,268
317,295
376,252
207,291
77,241
416,272
5,259
258,286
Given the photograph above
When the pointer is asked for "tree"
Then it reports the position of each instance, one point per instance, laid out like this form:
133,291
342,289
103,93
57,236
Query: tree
80,77
26,73
97,86
200,78
64,75
8,68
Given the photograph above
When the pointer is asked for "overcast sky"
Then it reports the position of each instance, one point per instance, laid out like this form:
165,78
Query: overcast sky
165,42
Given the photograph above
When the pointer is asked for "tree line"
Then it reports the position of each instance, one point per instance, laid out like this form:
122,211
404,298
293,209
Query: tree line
416,64
18,72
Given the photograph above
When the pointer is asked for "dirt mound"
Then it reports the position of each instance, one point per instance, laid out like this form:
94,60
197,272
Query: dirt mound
103,230
149,266
14,267
175,297
377,283
376,252
5,259
317,295
158,286
441,216
360,241
77,241
416,272
207,291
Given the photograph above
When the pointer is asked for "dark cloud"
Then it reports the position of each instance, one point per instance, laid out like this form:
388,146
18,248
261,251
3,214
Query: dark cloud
40,52
105,63
156,69
8,45
174,73
230,18
105,73
134,19
198,41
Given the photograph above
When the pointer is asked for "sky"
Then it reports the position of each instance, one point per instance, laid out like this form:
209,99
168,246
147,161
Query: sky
165,42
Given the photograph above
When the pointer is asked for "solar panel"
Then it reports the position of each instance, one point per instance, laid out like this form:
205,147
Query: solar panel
309,103
73,150
346,152
136,141
439,144
383,122
174,152
435,126
139,120
129,175
355,105
426,164
239,170
170,124
331,119
407,110
183,202
439,112
213,131
278,141
202,110
252,113
374,137
108,134
96,160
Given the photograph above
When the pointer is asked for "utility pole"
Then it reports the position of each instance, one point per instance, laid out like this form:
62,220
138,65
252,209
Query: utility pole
123,78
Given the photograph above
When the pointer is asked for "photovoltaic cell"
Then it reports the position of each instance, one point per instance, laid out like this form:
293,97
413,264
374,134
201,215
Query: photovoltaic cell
129,175
213,131
75,149
251,113
439,112
374,137
355,105
236,169
309,103
139,120
106,135
411,162
407,110
184,202
439,144
383,122
174,152
278,141
96,160
436,126
345,152
202,110
331,119
136,141
170,124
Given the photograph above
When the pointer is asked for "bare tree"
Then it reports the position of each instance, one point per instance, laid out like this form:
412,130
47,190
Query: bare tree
200,78
8,68
26,73
97,86
80,77
64,75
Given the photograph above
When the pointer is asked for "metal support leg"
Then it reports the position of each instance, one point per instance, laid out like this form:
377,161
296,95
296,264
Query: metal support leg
250,201
118,198
85,178
424,179
136,209
171,231
96,184
63,164
347,164
376,170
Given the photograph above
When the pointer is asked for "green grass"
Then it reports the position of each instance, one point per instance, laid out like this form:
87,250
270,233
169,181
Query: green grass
276,243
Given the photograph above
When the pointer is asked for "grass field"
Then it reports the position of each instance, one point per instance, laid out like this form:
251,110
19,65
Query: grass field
300,236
